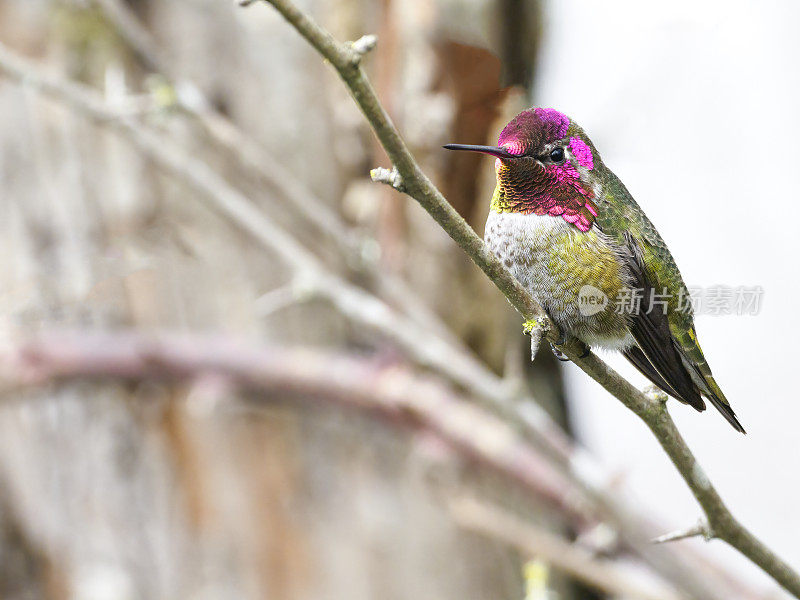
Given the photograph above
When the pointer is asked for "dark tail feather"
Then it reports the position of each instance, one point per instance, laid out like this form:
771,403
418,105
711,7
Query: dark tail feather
637,358
711,391
726,411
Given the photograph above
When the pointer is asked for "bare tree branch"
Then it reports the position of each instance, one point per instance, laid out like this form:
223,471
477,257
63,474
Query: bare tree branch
700,528
419,187
552,549
365,44
137,37
294,292
363,384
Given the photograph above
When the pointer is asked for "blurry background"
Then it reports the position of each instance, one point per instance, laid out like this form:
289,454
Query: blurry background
149,490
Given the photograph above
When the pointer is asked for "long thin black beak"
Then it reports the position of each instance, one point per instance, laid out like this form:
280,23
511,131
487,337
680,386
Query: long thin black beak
493,150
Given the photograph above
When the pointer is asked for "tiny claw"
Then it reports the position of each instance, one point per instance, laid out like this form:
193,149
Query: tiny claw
559,354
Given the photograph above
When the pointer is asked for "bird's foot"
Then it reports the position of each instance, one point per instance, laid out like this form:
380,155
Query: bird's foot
559,354
560,341
563,357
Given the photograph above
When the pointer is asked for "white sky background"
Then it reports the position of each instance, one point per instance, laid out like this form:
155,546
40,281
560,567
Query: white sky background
696,107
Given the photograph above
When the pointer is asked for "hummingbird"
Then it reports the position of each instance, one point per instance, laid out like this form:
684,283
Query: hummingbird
573,236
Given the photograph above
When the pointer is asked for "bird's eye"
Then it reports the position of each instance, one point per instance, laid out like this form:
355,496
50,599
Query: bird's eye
557,155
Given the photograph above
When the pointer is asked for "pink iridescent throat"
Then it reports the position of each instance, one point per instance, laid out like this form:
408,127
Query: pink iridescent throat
551,189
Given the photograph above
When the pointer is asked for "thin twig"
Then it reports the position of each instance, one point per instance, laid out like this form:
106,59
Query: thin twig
419,187
552,549
136,37
294,292
365,44
699,529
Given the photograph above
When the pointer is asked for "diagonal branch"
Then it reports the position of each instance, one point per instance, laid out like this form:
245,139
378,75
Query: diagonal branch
355,247
136,37
416,183
418,186
366,385
555,551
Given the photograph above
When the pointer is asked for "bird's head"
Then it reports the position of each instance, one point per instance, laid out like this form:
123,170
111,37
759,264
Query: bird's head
546,165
